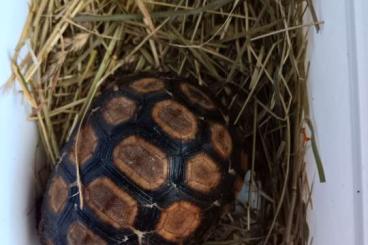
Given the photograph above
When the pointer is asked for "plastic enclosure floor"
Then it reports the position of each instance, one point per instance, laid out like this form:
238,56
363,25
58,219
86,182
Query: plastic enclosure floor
339,100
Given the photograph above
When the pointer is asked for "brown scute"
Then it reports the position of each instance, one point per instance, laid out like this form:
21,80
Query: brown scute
197,96
221,140
175,119
111,204
202,173
79,234
118,110
148,85
142,162
86,146
58,194
179,221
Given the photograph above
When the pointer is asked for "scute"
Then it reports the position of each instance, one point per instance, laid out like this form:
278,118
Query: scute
179,221
141,161
79,234
196,96
148,85
175,119
118,110
111,204
85,143
202,173
221,140
58,194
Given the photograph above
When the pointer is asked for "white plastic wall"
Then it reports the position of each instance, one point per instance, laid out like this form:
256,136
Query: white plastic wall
339,99
18,138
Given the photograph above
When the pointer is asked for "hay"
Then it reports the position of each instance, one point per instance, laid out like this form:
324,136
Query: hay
251,54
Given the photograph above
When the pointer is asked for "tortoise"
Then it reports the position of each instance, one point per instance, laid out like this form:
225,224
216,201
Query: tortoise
156,165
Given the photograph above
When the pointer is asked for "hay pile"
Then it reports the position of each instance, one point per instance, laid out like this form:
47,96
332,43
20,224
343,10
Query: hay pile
251,54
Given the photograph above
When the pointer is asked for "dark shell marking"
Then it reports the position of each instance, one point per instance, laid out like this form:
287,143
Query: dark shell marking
151,168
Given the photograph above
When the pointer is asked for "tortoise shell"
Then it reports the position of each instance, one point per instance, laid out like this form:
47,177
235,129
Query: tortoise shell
157,165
